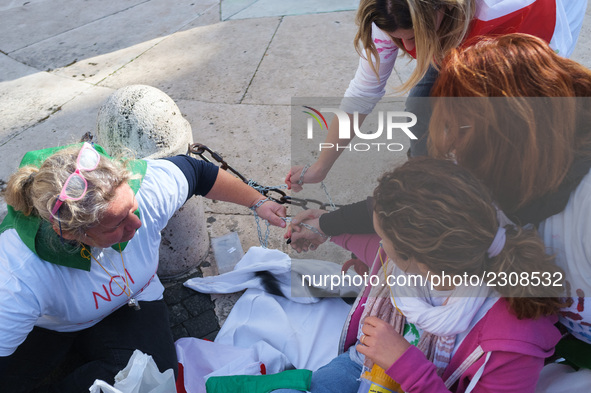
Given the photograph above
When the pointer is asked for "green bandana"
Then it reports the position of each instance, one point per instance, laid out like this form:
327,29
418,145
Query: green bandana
39,236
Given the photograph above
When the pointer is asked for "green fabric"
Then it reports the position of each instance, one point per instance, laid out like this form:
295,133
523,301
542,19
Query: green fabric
576,352
39,236
290,379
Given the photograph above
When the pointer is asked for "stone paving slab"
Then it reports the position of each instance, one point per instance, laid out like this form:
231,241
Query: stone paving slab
10,4
103,34
67,125
310,56
52,18
12,69
229,8
95,69
213,63
253,139
31,99
582,52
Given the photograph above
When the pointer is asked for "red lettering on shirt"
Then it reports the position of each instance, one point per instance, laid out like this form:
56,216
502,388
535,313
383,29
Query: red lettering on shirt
107,296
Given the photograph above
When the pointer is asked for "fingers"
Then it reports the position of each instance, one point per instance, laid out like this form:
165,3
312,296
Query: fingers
306,241
295,187
291,229
302,238
273,212
302,216
288,180
371,323
300,175
293,177
300,245
371,326
307,215
360,267
381,343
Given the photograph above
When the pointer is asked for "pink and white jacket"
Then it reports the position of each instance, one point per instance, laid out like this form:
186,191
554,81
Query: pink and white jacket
500,354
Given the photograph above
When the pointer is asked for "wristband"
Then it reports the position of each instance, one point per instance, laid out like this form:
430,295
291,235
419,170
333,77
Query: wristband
258,204
301,181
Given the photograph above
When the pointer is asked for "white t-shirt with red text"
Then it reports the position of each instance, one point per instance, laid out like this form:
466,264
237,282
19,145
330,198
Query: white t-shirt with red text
34,292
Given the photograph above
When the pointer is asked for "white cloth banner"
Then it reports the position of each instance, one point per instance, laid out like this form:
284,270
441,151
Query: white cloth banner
281,333
279,264
201,359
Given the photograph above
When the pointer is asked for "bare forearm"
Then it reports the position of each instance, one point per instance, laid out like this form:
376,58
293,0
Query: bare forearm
231,189
329,156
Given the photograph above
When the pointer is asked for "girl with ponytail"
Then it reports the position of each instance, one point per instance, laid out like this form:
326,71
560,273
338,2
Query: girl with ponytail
458,307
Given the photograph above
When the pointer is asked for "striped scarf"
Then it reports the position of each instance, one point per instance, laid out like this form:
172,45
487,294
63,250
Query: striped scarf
440,324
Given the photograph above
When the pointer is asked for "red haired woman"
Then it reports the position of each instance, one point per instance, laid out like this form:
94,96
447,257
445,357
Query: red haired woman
533,153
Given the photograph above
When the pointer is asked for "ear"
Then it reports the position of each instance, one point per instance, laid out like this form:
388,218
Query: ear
65,234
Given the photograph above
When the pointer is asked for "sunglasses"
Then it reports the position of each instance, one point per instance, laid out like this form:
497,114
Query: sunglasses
75,187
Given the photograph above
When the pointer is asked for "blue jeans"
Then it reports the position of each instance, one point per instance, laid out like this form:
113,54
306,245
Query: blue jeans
341,375
419,104
104,349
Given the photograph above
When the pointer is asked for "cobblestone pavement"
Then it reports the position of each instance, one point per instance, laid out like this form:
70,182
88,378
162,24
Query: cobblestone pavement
192,314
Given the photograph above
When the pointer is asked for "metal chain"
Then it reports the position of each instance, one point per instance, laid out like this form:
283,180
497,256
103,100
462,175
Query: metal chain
264,241
301,182
280,197
332,205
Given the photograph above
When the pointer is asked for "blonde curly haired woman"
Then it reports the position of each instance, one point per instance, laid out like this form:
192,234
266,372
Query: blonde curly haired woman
80,243
428,30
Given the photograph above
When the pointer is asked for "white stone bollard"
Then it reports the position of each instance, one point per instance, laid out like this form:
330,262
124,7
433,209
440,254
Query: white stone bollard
141,121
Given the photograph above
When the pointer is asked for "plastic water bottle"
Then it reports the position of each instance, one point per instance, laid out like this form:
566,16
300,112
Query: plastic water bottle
227,251
377,381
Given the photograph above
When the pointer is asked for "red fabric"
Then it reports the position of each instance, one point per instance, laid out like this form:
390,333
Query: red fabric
537,19
180,382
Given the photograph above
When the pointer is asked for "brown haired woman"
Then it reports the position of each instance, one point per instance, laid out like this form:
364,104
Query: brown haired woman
428,30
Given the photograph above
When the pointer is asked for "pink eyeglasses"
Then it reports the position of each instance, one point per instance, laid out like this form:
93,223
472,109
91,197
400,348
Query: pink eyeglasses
76,186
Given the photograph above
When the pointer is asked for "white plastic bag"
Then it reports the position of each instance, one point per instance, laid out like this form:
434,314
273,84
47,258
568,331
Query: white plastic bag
141,375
